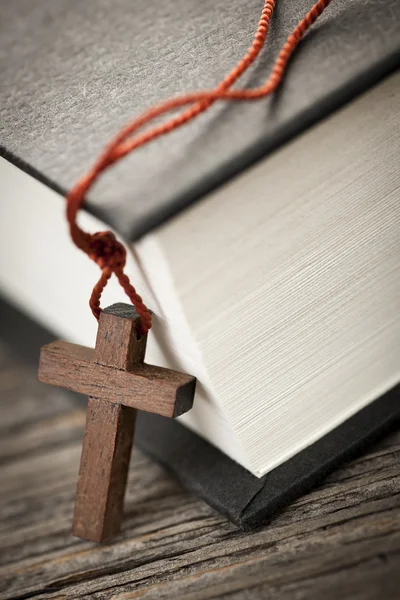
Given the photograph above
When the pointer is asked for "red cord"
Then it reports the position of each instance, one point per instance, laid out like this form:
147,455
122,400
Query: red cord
103,247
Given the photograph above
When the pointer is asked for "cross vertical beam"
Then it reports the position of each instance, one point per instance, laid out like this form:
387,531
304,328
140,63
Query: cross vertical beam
103,471
109,430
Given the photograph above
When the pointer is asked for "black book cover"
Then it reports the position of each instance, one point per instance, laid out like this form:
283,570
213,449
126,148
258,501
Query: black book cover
72,73
245,499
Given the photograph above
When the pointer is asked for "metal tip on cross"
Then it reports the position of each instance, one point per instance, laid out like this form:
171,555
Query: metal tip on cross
118,383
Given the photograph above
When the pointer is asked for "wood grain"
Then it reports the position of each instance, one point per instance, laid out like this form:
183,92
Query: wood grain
340,541
109,429
117,382
118,344
103,472
154,389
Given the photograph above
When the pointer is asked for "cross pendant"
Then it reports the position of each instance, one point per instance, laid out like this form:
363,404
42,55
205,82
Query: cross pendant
118,383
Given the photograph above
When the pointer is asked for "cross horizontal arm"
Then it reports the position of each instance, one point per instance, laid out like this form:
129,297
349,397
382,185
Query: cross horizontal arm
153,389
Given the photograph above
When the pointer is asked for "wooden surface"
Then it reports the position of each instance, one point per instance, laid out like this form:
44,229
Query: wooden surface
109,428
103,471
117,382
154,389
118,344
342,541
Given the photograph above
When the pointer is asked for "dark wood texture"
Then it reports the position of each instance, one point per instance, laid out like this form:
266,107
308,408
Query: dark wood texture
117,382
118,344
109,429
340,541
154,389
103,472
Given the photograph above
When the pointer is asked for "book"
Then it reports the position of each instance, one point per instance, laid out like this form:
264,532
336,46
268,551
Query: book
279,289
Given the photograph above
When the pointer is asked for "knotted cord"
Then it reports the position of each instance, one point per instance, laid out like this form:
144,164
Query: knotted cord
103,247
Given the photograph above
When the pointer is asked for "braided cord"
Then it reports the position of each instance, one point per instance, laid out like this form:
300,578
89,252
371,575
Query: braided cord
103,247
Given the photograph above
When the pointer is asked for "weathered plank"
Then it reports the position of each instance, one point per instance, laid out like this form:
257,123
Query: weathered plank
342,540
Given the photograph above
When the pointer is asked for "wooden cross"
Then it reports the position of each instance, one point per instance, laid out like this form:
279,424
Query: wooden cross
118,383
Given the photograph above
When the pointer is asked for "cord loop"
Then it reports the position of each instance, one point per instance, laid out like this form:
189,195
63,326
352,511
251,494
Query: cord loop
103,247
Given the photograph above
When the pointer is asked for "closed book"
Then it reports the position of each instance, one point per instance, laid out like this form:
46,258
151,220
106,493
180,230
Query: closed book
264,234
